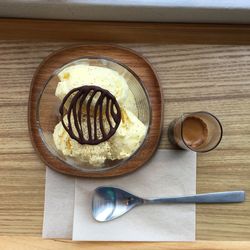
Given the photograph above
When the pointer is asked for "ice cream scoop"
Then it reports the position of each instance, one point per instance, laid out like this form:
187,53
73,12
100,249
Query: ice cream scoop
79,75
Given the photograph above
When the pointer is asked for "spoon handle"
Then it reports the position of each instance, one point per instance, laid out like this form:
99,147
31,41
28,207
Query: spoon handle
219,197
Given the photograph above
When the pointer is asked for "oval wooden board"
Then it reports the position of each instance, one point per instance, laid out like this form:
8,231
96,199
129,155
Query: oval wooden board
125,56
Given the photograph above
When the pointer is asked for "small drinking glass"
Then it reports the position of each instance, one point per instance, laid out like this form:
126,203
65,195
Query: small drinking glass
198,131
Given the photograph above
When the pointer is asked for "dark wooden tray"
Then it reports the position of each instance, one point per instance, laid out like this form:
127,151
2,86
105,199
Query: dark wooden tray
125,56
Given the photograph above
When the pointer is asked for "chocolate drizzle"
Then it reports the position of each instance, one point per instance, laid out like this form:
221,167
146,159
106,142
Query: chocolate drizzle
101,110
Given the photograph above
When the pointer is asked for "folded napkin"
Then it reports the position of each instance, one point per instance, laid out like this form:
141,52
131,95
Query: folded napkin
170,172
58,205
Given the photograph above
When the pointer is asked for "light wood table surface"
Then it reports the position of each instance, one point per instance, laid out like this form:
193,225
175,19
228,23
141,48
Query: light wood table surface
36,243
198,70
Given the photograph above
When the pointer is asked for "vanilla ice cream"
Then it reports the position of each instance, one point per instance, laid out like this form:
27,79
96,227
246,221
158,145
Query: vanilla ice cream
128,136
131,130
95,155
79,75
126,140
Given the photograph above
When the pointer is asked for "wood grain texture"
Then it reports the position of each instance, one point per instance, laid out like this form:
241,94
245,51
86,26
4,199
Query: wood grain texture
215,78
121,32
35,243
140,68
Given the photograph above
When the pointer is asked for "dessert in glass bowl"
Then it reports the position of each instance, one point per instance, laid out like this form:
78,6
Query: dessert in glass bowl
101,114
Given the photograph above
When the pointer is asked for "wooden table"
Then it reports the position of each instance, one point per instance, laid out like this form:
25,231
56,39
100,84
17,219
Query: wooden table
201,67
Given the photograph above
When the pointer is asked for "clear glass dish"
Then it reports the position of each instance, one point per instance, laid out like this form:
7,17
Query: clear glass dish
47,118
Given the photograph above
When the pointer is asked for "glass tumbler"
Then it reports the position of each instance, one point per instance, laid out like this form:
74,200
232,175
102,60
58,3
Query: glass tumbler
198,131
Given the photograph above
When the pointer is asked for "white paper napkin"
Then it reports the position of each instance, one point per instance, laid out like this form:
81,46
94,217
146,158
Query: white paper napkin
58,205
169,173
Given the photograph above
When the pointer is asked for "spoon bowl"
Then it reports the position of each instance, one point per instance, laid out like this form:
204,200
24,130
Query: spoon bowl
109,203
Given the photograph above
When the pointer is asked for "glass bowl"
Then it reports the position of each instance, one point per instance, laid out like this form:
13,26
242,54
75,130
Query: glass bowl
48,111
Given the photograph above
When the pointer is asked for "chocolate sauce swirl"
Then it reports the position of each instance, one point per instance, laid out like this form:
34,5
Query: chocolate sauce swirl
100,108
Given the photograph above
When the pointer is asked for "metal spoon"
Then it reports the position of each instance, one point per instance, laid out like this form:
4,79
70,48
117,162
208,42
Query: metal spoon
110,203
